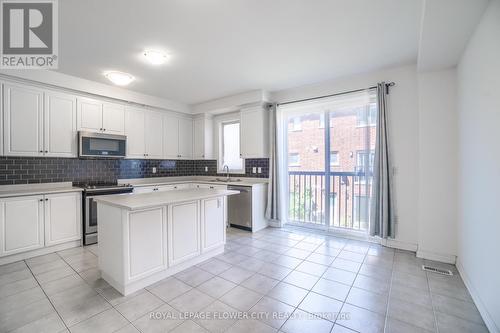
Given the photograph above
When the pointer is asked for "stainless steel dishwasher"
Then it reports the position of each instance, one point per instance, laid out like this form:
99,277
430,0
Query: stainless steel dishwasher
240,207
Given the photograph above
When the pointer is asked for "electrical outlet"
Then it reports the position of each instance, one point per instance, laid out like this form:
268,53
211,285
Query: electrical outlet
259,170
154,170
254,170
206,169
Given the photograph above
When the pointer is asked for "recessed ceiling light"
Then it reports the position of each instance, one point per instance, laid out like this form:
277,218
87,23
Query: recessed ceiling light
119,78
155,57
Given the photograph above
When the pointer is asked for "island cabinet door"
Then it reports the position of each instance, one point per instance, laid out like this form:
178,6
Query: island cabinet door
212,225
183,232
145,236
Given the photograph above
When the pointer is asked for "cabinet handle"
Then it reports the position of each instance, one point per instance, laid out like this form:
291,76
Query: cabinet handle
100,129
46,199
41,200
41,151
46,151
104,129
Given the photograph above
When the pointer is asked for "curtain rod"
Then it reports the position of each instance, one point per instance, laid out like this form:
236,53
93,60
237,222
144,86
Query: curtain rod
390,84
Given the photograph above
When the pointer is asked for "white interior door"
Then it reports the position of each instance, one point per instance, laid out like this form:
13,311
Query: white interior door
23,112
60,134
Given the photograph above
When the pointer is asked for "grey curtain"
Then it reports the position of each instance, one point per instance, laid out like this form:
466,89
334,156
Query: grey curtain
382,208
273,200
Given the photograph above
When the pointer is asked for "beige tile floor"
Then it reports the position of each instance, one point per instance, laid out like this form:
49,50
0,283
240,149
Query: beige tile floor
287,280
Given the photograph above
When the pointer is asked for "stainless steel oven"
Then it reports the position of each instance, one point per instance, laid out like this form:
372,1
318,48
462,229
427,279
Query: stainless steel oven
92,144
90,207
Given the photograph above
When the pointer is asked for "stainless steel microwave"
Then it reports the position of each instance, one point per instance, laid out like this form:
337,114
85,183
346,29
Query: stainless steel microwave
92,144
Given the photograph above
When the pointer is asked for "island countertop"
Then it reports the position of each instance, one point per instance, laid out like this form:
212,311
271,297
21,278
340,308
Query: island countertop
135,201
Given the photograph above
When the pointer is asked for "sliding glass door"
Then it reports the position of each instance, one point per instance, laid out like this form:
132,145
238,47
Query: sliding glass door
330,148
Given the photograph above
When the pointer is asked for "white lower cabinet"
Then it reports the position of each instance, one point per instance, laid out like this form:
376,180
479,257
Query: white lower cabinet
212,224
147,249
32,222
183,232
62,218
21,224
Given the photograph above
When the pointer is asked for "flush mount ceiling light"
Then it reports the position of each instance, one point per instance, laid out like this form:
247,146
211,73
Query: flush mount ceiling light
155,57
119,78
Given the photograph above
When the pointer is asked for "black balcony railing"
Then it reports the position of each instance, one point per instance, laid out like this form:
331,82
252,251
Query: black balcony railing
345,196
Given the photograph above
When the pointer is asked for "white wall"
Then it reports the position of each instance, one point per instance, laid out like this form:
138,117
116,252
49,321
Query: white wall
479,161
403,104
437,166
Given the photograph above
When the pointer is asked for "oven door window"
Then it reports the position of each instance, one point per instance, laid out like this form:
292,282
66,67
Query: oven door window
92,146
91,215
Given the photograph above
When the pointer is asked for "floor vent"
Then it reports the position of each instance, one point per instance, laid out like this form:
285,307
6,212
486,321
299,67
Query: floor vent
437,270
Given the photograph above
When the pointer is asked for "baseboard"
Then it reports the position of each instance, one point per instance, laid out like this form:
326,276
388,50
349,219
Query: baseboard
396,244
39,252
446,258
274,224
488,320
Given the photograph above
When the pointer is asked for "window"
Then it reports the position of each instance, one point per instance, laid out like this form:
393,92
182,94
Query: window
296,124
334,158
361,208
366,116
321,121
365,161
230,146
293,159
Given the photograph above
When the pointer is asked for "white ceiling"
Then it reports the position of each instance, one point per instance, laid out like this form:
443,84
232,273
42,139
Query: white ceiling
225,47
446,28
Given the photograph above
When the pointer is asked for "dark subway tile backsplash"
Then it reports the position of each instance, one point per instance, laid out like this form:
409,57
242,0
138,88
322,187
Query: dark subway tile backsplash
28,170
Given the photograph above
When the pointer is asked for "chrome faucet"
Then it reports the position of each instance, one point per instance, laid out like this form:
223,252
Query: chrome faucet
226,168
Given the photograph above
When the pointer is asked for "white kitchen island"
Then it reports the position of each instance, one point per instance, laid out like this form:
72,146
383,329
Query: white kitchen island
144,238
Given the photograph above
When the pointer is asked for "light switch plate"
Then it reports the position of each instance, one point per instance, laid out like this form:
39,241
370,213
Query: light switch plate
254,170
154,170
206,169
259,170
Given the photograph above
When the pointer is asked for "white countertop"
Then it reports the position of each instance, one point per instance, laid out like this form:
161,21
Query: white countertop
36,189
134,201
138,182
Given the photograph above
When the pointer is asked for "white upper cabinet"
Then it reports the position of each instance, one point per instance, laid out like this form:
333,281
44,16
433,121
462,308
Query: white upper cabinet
89,115
134,130
60,135
171,136
144,131
23,114
254,132
203,137
113,118
177,137
154,135
185,138
96,116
